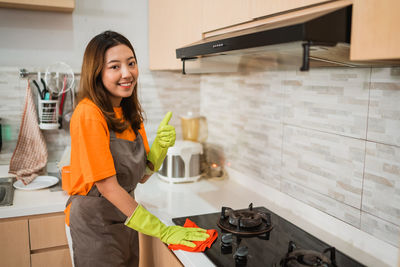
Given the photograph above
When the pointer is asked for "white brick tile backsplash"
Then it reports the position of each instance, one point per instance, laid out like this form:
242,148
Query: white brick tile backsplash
328,137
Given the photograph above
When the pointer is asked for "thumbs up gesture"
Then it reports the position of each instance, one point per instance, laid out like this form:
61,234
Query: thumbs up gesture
165,138
166,133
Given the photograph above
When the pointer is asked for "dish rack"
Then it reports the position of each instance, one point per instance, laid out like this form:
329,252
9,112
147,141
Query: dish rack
48,114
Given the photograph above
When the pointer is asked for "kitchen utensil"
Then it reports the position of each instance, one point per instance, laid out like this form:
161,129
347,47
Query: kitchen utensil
60,112
46,93
182,163
61,106
40,92
48,109
55,76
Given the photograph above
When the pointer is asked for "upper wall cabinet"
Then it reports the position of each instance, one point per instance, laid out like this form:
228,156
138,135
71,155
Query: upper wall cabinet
261,8
44,5
374,32
172,24
223,13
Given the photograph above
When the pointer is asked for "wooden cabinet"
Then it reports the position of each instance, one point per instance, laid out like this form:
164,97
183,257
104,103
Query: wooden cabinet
47,232
40,240
14,243
153,252
261,8
282,19
172,24
34,241
374,32
59,257
44,5
224,13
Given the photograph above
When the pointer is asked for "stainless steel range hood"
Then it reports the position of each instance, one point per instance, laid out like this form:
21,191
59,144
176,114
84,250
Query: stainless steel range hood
321,40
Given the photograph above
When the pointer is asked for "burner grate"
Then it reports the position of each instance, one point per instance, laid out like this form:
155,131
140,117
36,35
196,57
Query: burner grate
304,258
246,222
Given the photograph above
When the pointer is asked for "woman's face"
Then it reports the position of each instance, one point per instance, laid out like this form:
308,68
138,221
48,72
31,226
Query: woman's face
120,73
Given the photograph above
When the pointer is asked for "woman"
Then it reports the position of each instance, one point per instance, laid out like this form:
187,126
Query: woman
109,156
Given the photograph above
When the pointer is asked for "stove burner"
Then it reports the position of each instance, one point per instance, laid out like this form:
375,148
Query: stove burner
244,218
245,222
303,258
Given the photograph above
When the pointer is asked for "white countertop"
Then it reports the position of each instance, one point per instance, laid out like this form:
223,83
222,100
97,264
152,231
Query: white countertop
32,202
207,195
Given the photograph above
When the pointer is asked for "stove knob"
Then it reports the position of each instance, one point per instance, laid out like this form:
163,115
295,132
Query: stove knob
226,243
227,239
241,256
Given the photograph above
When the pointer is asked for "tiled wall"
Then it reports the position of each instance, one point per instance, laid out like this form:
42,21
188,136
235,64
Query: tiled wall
328,137
12,101
159,92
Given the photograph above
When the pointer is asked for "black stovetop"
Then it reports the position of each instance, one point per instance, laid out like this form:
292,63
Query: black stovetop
263,252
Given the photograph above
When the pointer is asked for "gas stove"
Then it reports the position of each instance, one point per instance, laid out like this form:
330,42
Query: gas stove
258,237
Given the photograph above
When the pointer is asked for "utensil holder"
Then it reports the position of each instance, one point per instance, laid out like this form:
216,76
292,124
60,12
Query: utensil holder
48,114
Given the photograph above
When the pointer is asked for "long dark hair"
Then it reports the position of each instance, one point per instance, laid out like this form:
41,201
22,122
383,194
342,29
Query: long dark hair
92,87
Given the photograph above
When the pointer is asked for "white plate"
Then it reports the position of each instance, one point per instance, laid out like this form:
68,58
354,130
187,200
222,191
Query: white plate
39,182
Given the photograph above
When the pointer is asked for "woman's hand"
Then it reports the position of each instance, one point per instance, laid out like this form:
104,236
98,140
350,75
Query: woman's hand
145,222
165,138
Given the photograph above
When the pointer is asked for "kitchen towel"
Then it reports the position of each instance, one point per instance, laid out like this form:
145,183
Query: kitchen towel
30,155
200,245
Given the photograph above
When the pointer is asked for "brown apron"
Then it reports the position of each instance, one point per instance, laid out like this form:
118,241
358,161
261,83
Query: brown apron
99,236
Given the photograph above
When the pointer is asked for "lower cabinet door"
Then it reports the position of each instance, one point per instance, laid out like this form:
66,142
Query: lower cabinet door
14,243
47,231
59,258
153,252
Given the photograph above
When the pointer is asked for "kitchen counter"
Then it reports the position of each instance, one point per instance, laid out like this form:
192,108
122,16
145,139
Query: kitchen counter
32,202
207,196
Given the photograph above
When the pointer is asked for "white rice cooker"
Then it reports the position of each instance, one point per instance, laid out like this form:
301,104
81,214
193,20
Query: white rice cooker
182,163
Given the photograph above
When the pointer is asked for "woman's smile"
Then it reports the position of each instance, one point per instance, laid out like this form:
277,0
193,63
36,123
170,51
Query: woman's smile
126,85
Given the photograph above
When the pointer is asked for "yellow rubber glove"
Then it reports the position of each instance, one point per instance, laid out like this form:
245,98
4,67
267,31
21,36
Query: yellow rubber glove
165,138
143,221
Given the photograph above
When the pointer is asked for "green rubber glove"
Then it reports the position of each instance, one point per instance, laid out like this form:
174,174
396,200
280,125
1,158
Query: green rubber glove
165,138
143,221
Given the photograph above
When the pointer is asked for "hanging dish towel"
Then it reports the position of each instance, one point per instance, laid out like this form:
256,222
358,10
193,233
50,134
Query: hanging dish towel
200,245
30,155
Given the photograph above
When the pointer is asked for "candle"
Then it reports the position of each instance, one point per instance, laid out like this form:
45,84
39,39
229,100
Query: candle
215,170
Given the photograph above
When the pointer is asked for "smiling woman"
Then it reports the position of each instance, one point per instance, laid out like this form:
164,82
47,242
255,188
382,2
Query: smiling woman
111,56
110,155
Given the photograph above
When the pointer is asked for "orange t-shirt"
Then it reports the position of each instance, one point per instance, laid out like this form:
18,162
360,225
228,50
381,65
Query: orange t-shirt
91,158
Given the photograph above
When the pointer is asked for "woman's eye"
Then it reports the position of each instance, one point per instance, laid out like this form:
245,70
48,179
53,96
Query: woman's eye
133,63
114,67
